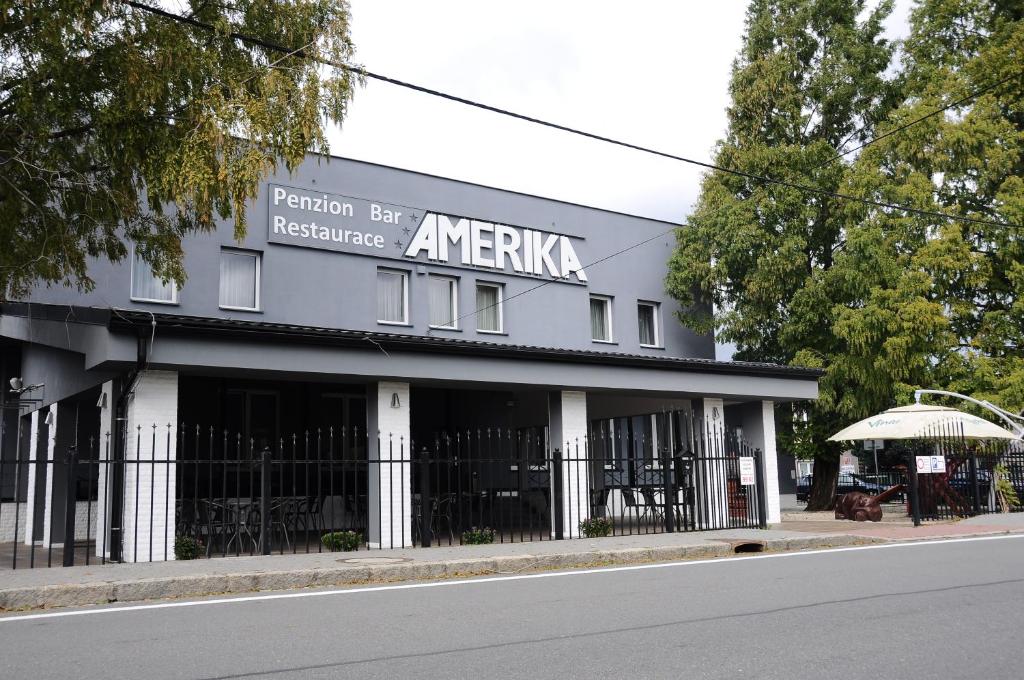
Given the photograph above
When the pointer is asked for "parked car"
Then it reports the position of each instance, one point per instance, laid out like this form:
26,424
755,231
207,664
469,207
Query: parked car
847,482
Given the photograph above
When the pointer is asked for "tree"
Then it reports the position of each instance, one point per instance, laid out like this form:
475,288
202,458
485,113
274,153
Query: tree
883,300
809,79
119,125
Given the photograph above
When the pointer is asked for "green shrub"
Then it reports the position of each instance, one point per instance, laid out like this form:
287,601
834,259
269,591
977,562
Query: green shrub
187,548
596,527
345,541
476,536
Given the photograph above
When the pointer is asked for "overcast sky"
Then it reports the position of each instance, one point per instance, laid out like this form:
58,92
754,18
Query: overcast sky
651,73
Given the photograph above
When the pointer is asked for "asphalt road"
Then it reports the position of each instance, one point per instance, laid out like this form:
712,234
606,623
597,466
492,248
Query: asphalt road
935,610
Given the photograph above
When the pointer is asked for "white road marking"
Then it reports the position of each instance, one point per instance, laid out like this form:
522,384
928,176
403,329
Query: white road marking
495,579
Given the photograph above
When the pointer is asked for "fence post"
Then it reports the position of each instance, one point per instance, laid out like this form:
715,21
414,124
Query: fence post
668,490
915,505
760,487
426,502
975,490
69,507
557,493
265,499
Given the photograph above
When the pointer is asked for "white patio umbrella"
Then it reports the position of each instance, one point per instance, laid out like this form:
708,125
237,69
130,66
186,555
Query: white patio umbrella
919,421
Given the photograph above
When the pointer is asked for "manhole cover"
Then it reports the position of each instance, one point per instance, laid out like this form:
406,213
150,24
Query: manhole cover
374,560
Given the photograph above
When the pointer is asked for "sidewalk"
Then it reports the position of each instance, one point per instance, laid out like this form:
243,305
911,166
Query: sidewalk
100,584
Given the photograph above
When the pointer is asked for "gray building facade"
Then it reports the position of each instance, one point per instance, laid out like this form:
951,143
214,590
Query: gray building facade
367,299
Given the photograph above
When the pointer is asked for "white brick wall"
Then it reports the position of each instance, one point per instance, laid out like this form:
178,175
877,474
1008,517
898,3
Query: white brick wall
7,521
33,450
771,463
51,450
149,489
390,492
568,426
102,507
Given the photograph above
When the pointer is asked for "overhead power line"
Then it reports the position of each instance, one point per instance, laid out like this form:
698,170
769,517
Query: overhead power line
963,100
300,53
455,322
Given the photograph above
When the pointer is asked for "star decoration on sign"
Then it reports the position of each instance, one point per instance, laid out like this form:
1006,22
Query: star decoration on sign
414,217
398,244
406,230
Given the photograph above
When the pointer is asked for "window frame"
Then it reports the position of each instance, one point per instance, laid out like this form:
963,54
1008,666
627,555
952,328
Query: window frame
131,284
405,296
655,320
609,326
501,307
453,282
258,256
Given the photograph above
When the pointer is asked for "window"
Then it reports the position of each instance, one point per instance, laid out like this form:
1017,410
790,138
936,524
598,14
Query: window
647,317
392,296
239,279
444,301
600,318
147,286
488,308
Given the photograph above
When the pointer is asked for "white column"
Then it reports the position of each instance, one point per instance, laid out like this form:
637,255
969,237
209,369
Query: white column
150,484
567,422
103,454
51,449
762,435
711,469
390,485
30,489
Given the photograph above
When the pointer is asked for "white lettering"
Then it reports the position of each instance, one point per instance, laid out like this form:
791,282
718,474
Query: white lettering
293,201
570,263
457,232
425,238
279,224
528,251
378,241
509,248
357,239
279,193
479,243
545,254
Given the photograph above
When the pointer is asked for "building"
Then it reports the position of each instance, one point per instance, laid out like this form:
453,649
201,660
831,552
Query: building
452,322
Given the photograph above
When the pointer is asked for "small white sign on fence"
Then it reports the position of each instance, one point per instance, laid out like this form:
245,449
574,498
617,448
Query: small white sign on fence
928,464
747,476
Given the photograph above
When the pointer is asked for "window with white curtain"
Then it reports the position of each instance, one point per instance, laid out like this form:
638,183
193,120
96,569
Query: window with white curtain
600,318
392,296
488,308
647,318
444,301
239,279
147,286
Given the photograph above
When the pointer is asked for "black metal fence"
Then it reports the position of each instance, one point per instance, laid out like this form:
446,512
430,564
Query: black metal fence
189,492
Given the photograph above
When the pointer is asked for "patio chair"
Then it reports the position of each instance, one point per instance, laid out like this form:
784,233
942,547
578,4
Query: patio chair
630,504
655,509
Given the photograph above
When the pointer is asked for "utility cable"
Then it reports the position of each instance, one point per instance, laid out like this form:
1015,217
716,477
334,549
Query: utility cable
266,44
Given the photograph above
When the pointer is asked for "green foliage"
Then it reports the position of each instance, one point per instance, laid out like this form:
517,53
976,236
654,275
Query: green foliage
882,301
1005,491
119,126
187,548
345,541
474,536
596,527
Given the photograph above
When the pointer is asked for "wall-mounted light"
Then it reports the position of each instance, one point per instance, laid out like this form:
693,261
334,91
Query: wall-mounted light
16,384
395,403
102,401
19,387
48,420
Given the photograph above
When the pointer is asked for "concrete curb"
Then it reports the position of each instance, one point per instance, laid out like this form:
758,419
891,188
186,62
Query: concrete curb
104,592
